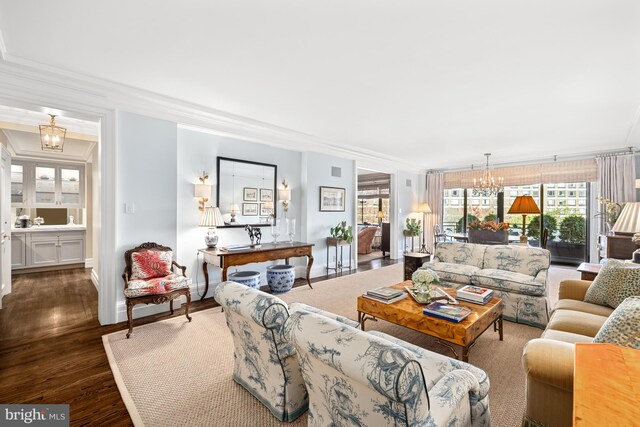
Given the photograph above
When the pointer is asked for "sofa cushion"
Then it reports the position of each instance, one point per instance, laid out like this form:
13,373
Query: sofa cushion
150,264
508,281
569,337
585,307
613,284
576,322
460,253
156,286
517,259
448,272
621,328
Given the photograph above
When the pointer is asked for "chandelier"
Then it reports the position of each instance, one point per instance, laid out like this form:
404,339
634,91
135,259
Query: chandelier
52,136
488,185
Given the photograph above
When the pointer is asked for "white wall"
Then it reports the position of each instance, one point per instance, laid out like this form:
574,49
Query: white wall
316,172
197,152
146,179
411,191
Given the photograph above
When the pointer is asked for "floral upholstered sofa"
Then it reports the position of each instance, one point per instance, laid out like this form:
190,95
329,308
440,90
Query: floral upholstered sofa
517,274
372,379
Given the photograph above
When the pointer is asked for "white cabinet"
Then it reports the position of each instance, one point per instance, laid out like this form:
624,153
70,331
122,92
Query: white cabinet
48,248
18,251
47,185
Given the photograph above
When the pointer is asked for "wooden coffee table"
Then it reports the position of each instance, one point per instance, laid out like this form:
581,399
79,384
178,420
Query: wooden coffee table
408,313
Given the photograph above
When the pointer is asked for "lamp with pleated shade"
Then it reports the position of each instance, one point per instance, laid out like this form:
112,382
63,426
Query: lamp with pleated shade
524,205
212,218
628,222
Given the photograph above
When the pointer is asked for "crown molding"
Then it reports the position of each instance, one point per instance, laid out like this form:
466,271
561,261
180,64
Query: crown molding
75,93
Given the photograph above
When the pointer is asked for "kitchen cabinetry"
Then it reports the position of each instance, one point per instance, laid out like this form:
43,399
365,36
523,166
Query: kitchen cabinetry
47,248
47,185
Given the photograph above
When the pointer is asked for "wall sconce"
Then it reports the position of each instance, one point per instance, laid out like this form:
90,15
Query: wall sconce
202,191
284,195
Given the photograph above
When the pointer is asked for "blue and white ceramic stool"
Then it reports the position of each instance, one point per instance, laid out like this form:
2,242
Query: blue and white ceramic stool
280,277
247,278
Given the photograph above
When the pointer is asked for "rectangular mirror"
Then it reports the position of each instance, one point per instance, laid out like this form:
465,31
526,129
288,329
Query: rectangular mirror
246,192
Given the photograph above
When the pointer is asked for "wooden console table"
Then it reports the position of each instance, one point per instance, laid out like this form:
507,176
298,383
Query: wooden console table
267,252
606,386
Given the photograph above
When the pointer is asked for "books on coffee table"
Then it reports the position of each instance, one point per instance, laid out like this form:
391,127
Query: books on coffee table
474,294
384,292
453,313
402,295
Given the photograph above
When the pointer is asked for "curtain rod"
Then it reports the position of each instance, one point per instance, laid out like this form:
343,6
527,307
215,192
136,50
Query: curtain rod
554,158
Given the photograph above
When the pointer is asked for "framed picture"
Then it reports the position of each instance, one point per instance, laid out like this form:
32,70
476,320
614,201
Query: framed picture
332,199
266,195
265,210
250,194
250,209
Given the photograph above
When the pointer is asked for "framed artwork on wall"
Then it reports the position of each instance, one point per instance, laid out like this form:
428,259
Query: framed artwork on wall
266,195
332,199
265,210
249,209
250,194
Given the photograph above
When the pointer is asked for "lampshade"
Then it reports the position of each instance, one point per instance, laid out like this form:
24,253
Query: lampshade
284,195
211,217
234,208
424,208
629,220
524,205
52,136
380,215
202,190
637,183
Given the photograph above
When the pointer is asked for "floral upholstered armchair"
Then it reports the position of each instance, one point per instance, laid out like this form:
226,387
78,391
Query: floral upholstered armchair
265,363
149,278
369,378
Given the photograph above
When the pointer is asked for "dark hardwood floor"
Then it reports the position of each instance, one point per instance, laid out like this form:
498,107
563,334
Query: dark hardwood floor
51,344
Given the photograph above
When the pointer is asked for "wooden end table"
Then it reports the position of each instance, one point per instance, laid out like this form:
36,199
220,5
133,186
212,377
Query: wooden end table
413,261
588,271
408,313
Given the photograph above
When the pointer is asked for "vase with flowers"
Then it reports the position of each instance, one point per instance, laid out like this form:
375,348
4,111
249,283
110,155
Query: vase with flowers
489,232
610,213
423,279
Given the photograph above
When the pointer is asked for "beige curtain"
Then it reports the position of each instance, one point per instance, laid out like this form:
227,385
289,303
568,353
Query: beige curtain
545,173
616,180
435,189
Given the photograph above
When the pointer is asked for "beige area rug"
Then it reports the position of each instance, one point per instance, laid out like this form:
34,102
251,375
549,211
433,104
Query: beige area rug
175,373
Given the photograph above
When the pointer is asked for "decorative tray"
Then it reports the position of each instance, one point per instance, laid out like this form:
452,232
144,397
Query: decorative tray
435,295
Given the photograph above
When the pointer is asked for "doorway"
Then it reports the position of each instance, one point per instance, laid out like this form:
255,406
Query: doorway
373,216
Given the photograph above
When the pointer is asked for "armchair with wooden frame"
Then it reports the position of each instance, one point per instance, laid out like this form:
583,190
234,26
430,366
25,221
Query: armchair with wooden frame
149,277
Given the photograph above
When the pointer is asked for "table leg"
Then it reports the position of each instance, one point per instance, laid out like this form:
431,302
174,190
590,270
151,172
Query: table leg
327,258
224,273
361,320
465,354
205,270
500,326
309,264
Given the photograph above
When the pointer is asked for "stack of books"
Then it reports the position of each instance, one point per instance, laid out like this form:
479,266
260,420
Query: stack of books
474,294
453,313
385,295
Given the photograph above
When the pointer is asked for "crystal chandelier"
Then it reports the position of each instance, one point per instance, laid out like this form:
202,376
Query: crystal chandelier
488,185
52,136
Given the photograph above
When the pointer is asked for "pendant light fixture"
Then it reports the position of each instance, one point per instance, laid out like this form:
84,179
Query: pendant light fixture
52,136
487,185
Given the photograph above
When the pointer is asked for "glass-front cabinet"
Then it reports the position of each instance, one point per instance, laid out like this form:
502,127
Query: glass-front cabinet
18,197
35,184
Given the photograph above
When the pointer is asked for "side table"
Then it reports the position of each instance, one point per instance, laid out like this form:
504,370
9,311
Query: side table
412,261
588,271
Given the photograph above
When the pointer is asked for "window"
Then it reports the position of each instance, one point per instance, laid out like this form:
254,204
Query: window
551,193
453,210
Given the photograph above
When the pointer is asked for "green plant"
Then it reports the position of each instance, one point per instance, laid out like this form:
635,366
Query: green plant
572,229
342,232
414,226
550,223
490,218
470,218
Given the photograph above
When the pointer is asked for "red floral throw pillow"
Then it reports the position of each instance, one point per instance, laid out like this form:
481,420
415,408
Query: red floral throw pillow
150,264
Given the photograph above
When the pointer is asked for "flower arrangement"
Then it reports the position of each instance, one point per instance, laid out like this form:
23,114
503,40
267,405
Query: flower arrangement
611,210
423,278
488,225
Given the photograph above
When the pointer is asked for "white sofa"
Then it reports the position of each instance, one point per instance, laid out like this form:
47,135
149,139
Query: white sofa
517,274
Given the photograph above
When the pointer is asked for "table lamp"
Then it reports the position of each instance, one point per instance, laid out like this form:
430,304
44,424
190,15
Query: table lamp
234,211
524,205
380,215
212,218
424,208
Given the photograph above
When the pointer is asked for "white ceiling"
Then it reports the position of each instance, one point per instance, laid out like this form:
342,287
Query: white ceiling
437,83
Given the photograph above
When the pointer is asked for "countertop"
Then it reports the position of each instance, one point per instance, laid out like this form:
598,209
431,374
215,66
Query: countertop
44,228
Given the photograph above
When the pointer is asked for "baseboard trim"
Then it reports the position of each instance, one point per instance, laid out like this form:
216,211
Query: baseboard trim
47,268
94,278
